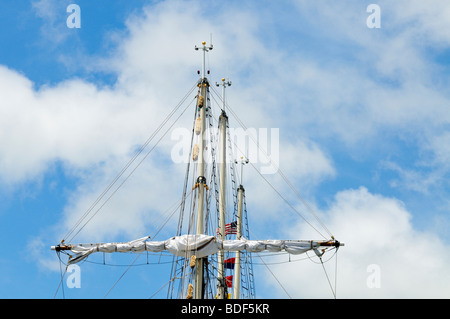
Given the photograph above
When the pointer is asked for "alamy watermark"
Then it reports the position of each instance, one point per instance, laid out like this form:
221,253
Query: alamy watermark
260,146
374,279
74,276
74,18
374,19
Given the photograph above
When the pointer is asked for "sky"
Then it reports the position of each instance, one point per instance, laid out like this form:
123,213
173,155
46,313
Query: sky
359,95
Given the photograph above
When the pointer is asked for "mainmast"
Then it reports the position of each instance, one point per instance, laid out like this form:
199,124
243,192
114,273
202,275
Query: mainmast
222,198
201,180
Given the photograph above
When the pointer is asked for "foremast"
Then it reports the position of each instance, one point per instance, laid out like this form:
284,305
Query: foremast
201,180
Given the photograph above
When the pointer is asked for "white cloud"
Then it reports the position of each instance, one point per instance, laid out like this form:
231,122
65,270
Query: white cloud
426,22
74,122
413,179
346,102
440,146
53,15
304,164
304,160
376,231
134,209
386,77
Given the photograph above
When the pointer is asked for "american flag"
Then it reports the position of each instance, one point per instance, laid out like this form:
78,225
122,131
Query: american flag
230,228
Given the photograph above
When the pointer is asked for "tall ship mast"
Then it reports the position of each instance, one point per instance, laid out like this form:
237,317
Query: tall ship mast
211,249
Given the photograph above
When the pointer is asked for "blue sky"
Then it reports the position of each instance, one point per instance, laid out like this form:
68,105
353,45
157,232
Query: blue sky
363,115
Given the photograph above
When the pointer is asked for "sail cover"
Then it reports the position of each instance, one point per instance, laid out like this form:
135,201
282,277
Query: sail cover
189,245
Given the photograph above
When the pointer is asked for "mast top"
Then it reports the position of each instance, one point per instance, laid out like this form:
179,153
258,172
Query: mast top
205,49
224,84
242,162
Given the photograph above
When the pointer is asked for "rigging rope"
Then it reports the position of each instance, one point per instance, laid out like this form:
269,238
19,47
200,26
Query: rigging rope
274,277
328,279
141,149
157,232
335,275
128,268
62,277
283,176
334,291
161,288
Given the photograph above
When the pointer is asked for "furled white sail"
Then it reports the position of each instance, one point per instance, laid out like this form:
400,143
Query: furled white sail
195,245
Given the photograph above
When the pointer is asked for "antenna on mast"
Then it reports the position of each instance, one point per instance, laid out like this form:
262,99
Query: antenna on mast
205,49
224,84
242,162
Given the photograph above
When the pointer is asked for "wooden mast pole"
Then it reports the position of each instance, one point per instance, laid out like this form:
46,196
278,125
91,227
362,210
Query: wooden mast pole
222,193
237,264
200,229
